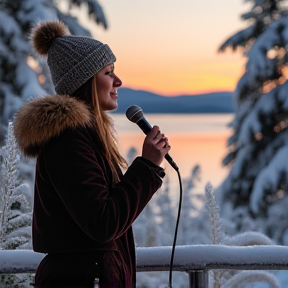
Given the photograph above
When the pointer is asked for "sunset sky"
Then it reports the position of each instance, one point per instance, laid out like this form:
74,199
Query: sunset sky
171,46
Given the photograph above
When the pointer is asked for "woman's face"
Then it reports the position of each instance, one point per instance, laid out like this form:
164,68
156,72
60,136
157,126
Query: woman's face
107,83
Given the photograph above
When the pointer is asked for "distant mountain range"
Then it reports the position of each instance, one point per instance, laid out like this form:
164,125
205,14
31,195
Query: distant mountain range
217,102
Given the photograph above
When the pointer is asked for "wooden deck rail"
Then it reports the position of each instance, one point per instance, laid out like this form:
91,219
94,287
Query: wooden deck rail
196,260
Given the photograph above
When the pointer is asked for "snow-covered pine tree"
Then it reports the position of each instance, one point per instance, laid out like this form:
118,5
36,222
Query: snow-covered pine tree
15,199
23,75
15,209
258,149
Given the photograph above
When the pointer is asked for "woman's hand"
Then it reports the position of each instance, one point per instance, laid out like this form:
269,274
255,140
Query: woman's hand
155,146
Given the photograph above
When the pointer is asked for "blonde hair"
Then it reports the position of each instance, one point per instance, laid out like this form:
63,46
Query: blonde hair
107,134
103,124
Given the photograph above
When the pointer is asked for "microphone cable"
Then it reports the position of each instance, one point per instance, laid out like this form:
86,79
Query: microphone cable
176,230
135,114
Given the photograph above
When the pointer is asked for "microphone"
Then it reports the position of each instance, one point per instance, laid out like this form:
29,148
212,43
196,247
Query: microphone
135,115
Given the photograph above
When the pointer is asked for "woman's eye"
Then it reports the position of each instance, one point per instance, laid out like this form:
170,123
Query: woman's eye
109,73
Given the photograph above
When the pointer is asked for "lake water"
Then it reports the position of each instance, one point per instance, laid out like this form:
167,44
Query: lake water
196,139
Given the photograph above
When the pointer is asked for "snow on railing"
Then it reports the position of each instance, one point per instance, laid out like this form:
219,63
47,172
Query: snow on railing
196,260
209,257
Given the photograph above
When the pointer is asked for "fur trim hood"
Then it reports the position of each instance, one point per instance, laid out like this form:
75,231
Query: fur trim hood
46,117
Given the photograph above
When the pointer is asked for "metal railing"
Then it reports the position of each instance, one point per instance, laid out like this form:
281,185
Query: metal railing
196,260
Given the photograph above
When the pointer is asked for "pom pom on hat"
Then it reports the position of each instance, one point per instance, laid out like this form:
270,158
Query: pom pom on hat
45,33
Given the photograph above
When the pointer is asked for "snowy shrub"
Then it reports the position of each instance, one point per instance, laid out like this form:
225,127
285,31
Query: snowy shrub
233,278
15,211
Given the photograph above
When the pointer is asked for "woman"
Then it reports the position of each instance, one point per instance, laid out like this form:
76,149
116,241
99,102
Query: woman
84,207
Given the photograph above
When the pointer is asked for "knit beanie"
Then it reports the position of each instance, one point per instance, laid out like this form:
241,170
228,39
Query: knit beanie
72,60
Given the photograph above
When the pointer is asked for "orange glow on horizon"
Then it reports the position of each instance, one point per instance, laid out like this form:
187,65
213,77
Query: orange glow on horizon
180,76
172,57
216,78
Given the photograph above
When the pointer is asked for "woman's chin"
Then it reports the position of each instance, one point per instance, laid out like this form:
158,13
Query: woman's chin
111,107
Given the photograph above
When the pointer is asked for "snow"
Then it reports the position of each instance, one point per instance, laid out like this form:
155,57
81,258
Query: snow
268,179
27,78
21,261
239,37
43,11
10,28
187,258
252,124
248,277
199,257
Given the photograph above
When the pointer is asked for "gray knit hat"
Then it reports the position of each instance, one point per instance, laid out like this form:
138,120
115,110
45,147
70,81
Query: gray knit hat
72,59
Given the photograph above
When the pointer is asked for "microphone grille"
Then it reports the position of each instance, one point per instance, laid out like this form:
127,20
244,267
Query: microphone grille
134,113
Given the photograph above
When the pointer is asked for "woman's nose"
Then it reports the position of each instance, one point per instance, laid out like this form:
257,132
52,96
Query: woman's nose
117,81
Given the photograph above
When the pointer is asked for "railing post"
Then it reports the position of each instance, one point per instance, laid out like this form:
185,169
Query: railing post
198,279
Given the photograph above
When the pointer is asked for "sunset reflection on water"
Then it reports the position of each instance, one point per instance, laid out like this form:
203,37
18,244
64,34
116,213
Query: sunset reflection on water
196,139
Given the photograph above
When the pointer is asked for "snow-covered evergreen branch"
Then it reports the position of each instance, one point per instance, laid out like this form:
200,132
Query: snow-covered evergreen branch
213,209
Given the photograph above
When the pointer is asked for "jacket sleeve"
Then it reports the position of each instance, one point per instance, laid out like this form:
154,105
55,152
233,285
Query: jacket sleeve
77,173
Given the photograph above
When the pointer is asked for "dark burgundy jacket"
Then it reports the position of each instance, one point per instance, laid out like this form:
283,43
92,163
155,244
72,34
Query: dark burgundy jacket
76,206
